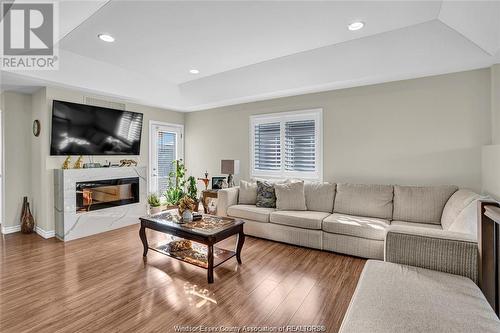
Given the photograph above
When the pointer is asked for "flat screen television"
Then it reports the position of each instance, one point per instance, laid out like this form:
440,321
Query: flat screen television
79,129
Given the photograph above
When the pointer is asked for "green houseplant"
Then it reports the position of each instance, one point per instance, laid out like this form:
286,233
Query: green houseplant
192,190
154,203
176,183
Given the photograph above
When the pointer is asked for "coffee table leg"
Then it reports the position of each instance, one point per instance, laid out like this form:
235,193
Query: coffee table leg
210,258
239,245
142,234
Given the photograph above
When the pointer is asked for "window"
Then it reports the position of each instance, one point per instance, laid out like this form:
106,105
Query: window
287,144
166,145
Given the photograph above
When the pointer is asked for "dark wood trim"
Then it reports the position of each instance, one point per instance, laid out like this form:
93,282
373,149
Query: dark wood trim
489,251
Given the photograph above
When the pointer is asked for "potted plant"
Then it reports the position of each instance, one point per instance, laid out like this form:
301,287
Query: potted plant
192,191
154,204
176,184
186,207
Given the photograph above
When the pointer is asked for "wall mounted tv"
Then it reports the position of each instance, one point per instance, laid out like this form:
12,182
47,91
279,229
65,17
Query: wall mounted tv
79,129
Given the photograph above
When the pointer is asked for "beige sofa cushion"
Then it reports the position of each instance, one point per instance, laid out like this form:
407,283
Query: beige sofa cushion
466,221
455,205
416,300
319,196
299,219
248,193
250,212
422,204
359,226
290,196
364,200
417,225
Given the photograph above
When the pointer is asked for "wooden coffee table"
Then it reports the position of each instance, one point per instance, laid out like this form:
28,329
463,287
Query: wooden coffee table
204,234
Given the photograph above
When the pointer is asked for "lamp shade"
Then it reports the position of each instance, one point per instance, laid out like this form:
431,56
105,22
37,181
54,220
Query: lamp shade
230,167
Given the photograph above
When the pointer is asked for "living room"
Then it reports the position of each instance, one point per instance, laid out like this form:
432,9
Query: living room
333,173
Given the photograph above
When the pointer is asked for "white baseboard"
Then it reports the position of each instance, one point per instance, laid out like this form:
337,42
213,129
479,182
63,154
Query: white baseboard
44,233
10,229
17,228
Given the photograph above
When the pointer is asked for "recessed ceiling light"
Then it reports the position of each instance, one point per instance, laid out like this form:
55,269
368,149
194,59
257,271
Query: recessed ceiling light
356,26
106,38
194,71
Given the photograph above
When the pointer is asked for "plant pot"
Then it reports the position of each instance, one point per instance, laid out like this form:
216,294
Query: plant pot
154,210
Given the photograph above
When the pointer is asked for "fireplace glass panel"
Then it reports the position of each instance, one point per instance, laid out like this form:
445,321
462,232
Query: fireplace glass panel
100,194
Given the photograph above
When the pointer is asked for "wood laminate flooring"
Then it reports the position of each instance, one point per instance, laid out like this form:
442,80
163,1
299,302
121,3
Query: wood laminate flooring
101,284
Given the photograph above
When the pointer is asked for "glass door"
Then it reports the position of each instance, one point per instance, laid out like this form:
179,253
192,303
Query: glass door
166,146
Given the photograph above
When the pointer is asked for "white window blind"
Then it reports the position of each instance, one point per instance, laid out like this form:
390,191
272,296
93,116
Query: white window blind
287,144
267,142
166,156
300,145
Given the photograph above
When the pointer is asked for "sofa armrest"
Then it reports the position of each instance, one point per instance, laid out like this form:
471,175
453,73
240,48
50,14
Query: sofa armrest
226,198
439,250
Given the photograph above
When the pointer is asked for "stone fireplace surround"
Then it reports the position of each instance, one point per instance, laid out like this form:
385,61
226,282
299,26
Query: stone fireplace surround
71,224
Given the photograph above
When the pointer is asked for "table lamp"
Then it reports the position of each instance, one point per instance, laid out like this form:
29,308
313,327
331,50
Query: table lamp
230,168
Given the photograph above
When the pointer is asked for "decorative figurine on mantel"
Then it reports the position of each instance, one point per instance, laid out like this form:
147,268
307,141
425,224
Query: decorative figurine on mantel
79,163
66,163
127,163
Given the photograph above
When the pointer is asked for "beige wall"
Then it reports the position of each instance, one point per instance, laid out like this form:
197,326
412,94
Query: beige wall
491,153
16,115
495,104
421,131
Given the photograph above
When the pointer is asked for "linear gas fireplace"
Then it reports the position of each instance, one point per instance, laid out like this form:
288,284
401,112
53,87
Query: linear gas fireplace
100,194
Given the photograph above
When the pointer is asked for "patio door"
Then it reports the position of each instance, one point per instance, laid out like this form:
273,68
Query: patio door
166,144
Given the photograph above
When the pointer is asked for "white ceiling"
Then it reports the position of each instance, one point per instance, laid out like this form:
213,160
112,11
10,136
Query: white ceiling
168,38
254,50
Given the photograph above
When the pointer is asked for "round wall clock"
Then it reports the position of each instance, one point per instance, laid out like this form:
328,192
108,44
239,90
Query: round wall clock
36,127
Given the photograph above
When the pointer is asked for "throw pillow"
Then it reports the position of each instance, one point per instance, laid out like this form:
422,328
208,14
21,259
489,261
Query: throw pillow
290,196
265,195
248,193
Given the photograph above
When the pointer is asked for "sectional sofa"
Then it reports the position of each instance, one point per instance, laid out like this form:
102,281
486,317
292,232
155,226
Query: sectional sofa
394,298
432,225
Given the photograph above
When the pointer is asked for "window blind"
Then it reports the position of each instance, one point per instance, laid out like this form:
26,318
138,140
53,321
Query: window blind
287,144
267,146
300,145
166,156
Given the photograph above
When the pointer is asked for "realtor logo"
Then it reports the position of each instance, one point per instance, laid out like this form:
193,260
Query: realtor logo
28,36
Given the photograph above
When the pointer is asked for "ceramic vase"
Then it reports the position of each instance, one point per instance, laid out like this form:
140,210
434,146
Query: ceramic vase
27,220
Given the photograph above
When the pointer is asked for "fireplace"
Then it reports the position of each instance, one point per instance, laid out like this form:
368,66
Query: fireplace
100,194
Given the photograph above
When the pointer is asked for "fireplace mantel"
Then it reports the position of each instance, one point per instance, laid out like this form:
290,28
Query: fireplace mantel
71,224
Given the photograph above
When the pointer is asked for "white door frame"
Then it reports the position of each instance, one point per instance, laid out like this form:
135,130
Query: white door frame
180,152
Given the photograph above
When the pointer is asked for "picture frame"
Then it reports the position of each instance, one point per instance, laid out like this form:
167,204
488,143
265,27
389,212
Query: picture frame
218,182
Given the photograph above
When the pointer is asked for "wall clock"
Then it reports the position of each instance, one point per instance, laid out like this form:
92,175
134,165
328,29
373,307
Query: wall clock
36,127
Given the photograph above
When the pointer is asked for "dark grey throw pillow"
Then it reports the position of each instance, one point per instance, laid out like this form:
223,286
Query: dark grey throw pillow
266,196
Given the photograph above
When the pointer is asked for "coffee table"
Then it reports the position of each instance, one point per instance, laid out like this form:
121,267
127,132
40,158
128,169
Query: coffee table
204,234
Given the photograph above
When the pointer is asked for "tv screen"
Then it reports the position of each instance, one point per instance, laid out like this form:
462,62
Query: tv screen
79,129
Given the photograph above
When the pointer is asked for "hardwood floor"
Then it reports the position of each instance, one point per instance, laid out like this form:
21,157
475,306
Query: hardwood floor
101,284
